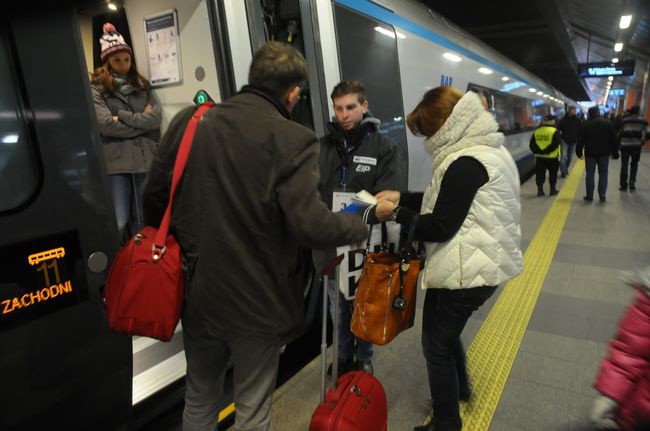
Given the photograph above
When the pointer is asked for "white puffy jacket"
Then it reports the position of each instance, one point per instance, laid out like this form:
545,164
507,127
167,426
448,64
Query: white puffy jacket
486,250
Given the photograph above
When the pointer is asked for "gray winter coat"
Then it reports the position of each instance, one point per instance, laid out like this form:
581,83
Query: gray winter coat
129,143
246,208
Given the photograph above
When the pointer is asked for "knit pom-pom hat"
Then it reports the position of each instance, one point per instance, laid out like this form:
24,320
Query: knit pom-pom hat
112,42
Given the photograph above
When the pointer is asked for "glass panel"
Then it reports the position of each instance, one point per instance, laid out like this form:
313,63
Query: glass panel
368,53
18,173
513,113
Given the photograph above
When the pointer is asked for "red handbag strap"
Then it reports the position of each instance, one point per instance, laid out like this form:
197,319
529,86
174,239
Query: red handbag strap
179,167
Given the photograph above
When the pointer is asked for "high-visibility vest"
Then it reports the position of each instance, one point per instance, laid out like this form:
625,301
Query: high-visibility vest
543,138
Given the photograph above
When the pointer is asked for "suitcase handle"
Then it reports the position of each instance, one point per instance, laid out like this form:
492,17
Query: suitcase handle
327,269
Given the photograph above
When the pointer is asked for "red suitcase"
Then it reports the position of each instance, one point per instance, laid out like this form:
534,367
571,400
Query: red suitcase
357,402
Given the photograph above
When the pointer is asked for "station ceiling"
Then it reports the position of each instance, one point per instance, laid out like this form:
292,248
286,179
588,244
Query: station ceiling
550,37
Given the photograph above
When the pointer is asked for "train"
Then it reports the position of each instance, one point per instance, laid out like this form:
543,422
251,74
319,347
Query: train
60,364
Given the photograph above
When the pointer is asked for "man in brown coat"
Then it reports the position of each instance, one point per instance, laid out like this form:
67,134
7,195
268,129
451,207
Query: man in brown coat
246,207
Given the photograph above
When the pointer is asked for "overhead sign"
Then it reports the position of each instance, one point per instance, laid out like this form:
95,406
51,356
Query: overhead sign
617,92
598,70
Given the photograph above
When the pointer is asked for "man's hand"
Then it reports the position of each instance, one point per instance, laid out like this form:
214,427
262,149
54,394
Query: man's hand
384,209
148,108
388,195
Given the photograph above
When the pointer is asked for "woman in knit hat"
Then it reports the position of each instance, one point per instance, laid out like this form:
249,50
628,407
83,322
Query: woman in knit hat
129,123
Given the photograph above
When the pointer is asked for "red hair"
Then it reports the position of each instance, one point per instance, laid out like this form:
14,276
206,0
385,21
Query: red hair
433,110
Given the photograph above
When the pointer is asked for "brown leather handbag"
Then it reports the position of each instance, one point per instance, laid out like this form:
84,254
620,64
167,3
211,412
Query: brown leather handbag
386,292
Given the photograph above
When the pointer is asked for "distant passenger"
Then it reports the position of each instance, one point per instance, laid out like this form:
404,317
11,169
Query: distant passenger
246,209
632,138
354,156
470,221
596,143
545,144
568,126
623,381
129,119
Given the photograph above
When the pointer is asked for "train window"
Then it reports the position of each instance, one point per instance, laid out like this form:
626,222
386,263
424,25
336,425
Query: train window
514,114
18,170
368,53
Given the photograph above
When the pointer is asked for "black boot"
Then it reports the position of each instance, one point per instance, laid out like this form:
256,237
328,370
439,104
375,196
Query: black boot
427,427
540,191
553,191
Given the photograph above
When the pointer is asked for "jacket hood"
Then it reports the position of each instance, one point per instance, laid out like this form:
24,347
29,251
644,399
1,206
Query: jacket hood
469,124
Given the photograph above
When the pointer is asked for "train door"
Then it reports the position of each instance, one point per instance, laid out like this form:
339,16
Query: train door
59,364
175,48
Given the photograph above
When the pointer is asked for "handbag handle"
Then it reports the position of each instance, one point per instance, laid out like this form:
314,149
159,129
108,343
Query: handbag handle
158,248
384,238
399,301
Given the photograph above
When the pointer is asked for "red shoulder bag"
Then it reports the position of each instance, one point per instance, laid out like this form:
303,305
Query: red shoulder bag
146,285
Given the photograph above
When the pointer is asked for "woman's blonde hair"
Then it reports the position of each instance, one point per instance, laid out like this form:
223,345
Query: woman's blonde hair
433,110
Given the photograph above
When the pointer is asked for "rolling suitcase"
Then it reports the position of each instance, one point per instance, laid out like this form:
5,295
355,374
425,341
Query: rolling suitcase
357,401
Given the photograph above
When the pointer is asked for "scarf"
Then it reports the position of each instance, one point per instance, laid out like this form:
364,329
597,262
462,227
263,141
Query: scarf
122,84
469,124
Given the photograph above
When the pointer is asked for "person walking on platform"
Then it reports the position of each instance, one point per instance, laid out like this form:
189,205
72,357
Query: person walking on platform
632,138
245,211
470,221
596,142
354,156
568,126
129,118
623,381
545,145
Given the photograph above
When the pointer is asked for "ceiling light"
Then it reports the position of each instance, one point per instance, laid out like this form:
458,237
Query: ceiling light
539,93
485,70
610,78
505,78
451,57
618,47
532,90
112,6
625,21
615,60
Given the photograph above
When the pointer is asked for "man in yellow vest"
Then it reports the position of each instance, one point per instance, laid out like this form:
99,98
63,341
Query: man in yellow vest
545,145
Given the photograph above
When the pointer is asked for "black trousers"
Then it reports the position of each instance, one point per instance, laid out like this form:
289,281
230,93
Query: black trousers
444,316
631,156
543,164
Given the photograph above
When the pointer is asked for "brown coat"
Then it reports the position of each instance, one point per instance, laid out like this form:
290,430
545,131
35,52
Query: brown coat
246,208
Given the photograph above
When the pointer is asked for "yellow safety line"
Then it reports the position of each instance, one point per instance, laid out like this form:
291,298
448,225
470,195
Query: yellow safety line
223,414
493,350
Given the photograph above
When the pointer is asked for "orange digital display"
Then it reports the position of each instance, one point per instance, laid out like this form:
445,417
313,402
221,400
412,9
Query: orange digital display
39,277
54,286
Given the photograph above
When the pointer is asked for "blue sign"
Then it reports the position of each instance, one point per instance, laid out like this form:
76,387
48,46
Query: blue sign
617,92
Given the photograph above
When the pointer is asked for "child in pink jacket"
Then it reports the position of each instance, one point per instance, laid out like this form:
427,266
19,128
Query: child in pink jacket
624,377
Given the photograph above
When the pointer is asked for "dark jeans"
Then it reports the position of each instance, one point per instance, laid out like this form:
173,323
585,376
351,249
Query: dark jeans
542,164
444,316
568,150
590,165
127,190
626,155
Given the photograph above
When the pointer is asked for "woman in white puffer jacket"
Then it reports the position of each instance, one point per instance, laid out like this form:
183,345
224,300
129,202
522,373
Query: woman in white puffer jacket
470,222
